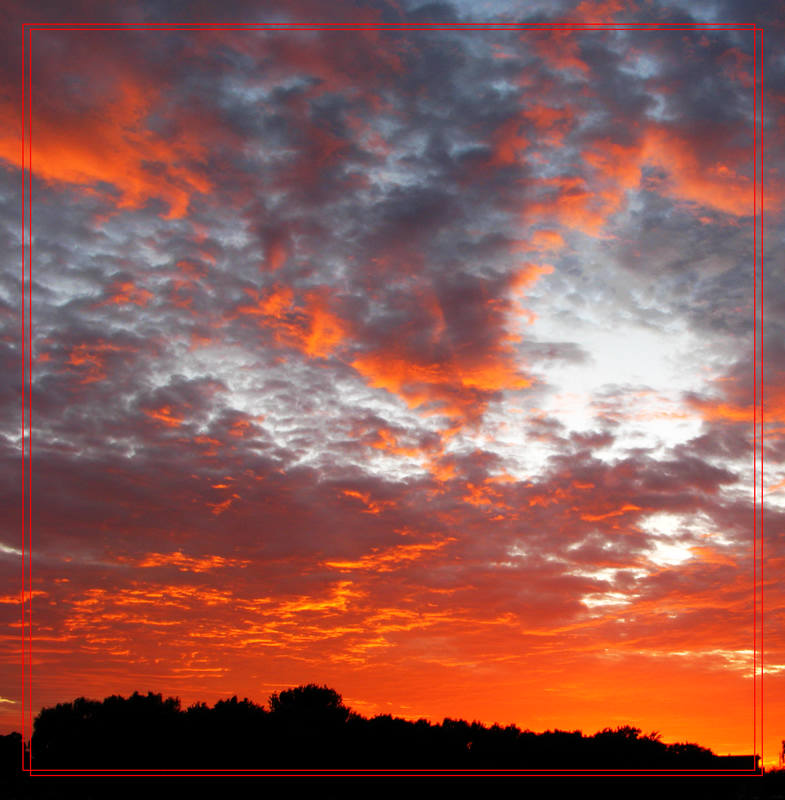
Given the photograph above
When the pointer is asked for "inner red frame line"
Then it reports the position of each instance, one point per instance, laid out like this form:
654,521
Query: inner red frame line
28,28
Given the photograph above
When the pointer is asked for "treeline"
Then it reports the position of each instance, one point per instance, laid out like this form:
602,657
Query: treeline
310,727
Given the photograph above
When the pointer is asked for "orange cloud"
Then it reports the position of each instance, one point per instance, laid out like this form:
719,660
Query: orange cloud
482,495
125,293
720,184
324,330
560,50
276,255
240,428
92,356
442,472
185,563
308,324
618,512
772,412
542,241
529,274
13,599
199,341
553,123
110,143
716,185
206,440
508,142
387,441
546,500
391,558
456,381
274,304
219,508
165,415
711,555
338,599
192,270
372,506
570,201
731,401
441,382
723,411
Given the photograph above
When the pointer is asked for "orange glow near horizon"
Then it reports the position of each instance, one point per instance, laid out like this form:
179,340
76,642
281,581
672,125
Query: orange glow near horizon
697,695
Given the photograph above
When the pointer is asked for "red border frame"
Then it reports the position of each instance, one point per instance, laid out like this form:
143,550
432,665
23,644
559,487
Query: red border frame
27,82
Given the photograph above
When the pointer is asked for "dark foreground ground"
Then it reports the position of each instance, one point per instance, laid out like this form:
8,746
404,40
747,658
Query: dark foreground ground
769,786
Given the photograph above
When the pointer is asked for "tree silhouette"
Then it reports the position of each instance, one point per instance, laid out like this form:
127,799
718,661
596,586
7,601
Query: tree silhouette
117,732
310,727
232,732
310,703
309,722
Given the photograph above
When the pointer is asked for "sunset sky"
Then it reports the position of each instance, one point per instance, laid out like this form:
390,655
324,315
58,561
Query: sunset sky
417,363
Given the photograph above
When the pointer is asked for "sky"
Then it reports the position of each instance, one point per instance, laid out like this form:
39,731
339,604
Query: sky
417,363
